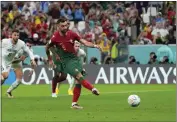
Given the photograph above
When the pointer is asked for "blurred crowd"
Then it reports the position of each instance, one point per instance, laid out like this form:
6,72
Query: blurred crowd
105,23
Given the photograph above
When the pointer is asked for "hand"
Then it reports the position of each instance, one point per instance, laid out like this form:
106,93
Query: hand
33,63
57,57
51,64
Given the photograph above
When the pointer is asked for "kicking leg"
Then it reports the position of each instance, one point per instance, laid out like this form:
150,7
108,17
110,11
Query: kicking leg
86,84
19,75
77,90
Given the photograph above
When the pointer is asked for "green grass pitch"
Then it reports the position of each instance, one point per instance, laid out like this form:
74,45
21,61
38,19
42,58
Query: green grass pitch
34,103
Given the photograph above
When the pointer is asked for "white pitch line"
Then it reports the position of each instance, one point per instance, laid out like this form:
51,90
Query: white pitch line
122,92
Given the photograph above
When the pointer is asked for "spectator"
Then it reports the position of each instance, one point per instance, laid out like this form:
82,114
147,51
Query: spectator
66,11
26,13
105,45
171,15
54,11
78,13
153,58
165,60
160,34
88,33
75,28
44,6
35,39
116,19
42,28
94,61
164,50
145,36
108,60
132,60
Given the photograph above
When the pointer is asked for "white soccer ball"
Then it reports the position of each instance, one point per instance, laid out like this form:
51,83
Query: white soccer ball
134,100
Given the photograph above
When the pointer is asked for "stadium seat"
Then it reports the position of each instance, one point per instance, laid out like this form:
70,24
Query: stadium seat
152,11
81,25
146,18
129,31
71,25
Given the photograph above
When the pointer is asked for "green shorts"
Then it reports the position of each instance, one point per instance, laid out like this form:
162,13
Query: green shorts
72,66
69,64
58,64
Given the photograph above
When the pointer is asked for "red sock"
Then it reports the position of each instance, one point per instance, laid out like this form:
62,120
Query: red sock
76,92
87,85
54,85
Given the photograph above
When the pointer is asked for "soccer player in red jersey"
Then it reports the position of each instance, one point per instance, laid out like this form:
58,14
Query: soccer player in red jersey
70,63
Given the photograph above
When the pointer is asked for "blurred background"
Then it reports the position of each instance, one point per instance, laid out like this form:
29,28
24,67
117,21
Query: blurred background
128,32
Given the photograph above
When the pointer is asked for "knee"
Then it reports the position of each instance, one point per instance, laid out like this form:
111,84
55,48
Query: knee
59,77
78,85
19,76
79,77
63,76
19,80
2,78
5,75
19,73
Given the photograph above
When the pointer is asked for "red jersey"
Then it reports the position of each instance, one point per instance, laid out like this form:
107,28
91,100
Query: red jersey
65,42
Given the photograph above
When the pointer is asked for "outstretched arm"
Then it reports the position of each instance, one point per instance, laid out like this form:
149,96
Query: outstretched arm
84,42
30,54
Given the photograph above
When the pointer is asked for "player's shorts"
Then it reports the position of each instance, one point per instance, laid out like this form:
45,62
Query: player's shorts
69,64
5,67
58,65
72,66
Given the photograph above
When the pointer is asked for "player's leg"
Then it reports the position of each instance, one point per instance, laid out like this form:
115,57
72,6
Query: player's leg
4,76
76,95
4,72
58,78
57,71
54,85
71,84
77,90
86,84
74,68
19,74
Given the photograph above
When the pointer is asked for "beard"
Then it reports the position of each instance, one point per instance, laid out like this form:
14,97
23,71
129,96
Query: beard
64,31
15,40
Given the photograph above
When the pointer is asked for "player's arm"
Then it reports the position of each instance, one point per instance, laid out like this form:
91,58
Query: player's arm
89,44
84,42
30,54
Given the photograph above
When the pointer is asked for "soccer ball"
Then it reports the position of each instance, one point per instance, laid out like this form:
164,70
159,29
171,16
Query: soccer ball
134,100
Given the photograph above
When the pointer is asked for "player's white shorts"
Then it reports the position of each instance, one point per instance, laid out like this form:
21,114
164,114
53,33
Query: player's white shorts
5,67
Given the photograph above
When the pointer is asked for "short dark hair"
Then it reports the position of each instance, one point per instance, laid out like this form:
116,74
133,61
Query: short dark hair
62,19
15,30
152,53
